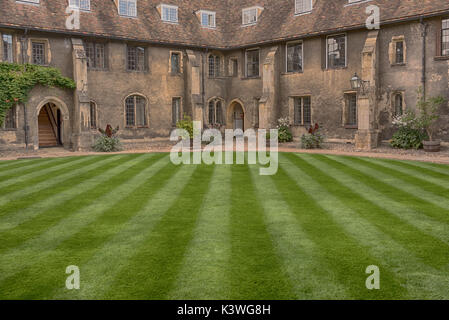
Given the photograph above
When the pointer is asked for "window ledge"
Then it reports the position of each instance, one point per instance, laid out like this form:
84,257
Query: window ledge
175,74
440,58
8,129
335,68
97,69
398,64
251,78
351,126
291,73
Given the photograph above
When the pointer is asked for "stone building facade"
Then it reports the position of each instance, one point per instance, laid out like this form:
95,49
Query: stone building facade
243,64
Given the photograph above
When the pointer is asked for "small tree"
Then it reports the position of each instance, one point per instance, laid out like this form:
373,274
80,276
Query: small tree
429,113
187,124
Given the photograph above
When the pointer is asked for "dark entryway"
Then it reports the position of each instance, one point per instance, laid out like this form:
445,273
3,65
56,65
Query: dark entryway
49,123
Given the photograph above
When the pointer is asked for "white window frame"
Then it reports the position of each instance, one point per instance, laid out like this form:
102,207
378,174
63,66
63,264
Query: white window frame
127,14
208,13
169,7
28,1
247,10
299,12
78,4
346,50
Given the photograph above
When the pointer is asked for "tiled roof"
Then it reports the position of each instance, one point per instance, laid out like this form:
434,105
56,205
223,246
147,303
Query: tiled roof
276,22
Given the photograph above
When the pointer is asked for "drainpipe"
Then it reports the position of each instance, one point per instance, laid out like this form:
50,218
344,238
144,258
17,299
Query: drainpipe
26,128
203,85
424,36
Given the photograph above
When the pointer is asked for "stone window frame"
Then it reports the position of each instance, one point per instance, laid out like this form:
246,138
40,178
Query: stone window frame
292,109
215,100
15,110
105,54
393,51
181,62
393,101
302,56
345,109
180,115
246,63
233,61
220,57
145,58
47,50
14,42
439,40
93,125
327,51
147,112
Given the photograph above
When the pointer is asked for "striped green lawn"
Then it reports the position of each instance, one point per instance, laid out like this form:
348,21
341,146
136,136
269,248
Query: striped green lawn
139,227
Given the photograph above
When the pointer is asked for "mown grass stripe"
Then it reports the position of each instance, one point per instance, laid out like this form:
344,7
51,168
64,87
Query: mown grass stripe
34,189
157,262
44,170
427,168
47,274
427,203
301,257
389,198
378,210
203,272
34,167
331,235
51,238
410,279
392,190
255,270
52,203
106,268
14,164
426,188
429,176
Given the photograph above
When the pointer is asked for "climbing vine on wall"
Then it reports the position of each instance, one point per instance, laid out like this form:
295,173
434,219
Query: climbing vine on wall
17,80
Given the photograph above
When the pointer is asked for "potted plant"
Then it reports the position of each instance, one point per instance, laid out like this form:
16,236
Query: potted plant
428,115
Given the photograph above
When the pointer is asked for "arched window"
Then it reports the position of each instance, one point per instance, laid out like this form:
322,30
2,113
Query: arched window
93,115
136,111
398,104
216,112
214,66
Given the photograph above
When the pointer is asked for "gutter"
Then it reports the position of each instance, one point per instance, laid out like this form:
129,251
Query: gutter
25,114
423,65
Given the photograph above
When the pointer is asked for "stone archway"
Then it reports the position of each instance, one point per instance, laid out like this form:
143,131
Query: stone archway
51,124
236,116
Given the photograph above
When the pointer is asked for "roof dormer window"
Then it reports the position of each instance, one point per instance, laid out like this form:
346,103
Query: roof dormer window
251,15
80,4
303,6
127,8
208,19
169,13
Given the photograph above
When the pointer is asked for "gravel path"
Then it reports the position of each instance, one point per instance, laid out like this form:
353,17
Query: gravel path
383,151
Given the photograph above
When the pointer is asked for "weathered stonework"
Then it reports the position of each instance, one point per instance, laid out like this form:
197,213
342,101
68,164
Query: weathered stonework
262,99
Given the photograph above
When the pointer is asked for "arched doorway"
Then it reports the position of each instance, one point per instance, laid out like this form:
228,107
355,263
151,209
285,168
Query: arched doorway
49,126
236,116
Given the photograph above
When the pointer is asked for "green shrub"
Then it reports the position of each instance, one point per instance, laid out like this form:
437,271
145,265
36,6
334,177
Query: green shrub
313,139
408,138
284,133
107,142
187,124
